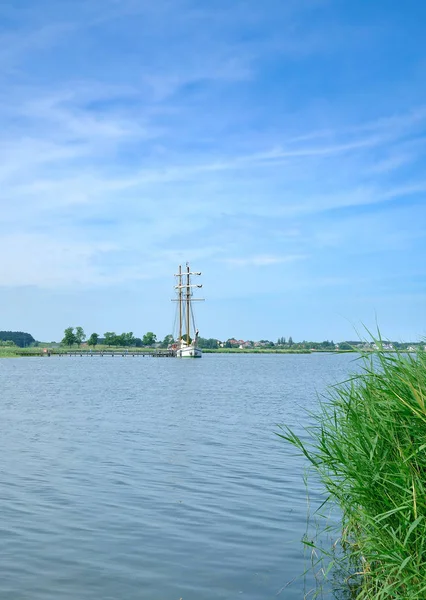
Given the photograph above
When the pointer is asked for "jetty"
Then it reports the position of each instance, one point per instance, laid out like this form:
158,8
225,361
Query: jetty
156,353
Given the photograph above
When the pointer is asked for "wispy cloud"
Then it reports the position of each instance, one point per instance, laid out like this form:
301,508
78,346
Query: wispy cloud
49,262
136,134
262,260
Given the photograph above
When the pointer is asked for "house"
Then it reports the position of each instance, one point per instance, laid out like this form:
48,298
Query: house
246,345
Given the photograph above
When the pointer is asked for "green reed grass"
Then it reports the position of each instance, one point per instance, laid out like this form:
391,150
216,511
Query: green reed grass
368,445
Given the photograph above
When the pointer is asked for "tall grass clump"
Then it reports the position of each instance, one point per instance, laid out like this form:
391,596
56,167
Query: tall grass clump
368,445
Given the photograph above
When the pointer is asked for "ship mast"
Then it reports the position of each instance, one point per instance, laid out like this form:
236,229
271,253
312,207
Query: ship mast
188,292
184,299
180,303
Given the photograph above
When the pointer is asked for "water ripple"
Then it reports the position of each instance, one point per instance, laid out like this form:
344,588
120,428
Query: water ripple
145,479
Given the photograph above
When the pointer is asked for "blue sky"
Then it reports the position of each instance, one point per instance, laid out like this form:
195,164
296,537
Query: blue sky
279,146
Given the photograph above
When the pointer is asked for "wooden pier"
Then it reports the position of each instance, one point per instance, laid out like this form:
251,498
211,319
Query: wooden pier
157,353
132,353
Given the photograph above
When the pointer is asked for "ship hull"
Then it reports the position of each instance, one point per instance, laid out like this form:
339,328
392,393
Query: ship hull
189,352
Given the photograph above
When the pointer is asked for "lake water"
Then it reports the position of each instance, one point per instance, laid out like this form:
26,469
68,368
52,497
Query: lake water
155,479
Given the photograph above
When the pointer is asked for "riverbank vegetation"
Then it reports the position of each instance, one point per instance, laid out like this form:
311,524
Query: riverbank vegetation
49,350
75,338
368,445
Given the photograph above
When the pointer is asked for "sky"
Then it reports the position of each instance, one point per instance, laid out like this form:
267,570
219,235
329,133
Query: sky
278,146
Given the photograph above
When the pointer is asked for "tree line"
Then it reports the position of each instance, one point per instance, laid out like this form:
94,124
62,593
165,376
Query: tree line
110,338
16,338
77,336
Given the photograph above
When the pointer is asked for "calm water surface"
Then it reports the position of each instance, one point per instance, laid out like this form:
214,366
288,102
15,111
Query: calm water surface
155,479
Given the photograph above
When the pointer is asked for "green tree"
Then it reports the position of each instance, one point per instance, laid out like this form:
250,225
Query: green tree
290,341
69,337
93,339
119,340
207,343
149,339
80,336
167,341
345,346
110,338
20,338
129,339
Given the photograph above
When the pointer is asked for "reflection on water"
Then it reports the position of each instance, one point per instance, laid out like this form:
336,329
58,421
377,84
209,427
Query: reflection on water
144,479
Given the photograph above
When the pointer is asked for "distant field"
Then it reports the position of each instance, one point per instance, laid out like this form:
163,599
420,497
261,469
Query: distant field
7,352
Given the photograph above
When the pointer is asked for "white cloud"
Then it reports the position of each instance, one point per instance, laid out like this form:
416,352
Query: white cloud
162,166
35,259
262,260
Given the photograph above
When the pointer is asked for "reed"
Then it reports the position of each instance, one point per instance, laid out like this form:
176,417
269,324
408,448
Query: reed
7,352
368,445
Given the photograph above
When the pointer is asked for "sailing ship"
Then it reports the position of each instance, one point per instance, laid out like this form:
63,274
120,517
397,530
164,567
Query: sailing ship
186,345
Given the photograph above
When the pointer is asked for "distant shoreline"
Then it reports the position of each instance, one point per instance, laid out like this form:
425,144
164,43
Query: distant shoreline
37,352
8,352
